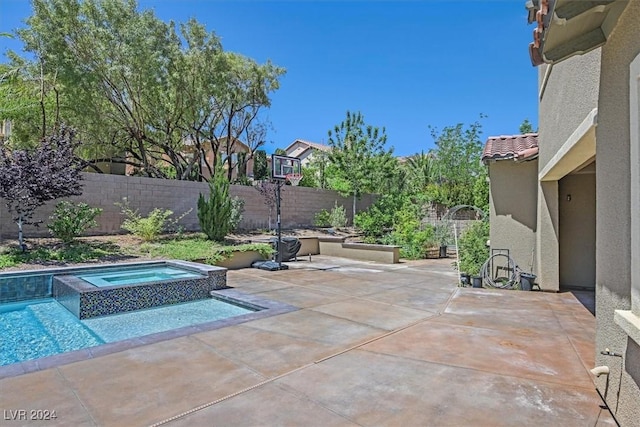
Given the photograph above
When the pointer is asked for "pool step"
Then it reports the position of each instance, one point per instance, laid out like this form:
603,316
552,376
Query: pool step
24,337
63,328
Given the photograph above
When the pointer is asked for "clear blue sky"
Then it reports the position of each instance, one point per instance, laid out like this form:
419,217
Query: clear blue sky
404,64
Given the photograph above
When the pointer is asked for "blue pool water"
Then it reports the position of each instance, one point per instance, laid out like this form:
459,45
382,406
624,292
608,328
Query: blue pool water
35,329
136,276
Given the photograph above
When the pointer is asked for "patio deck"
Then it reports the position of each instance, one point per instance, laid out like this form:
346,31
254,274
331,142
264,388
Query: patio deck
370,345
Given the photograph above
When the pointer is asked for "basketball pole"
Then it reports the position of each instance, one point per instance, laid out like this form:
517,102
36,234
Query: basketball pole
279,248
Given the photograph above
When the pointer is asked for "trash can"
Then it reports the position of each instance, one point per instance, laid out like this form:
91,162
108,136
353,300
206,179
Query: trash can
443,251
526,281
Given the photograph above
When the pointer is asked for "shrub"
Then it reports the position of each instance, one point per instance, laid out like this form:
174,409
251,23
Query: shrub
70,220
338,216
214,214
473,247
413,245
148,227
378,219
237,210
321,219
404,214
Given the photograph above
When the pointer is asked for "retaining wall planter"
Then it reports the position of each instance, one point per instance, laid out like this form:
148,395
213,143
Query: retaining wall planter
335,246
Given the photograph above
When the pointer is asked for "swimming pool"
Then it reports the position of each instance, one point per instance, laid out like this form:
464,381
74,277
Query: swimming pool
41,328
152,283
52,317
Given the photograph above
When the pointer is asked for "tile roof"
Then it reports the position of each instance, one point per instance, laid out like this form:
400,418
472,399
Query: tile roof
315,145
309,145
515,147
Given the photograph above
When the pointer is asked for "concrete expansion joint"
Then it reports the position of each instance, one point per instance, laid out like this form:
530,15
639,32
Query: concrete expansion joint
270,380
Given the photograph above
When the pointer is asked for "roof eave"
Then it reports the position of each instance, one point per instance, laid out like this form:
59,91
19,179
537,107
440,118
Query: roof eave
571,27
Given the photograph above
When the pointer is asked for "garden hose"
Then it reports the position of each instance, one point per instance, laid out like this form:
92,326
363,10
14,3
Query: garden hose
513,280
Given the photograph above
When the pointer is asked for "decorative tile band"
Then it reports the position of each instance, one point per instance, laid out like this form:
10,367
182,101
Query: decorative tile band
86,301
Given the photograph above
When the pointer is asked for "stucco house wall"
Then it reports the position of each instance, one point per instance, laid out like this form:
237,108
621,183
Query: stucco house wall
590,110
569,92
614,263
567,115
512,200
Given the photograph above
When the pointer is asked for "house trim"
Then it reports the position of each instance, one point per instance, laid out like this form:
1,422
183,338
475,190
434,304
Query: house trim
545,80
629,320
577,150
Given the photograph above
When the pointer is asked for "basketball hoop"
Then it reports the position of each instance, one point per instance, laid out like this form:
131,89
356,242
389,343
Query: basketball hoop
294,178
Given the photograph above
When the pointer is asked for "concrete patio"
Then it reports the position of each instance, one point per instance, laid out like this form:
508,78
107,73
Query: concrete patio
370,345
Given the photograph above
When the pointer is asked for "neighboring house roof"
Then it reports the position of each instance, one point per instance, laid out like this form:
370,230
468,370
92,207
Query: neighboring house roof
307,145
303,149
513,147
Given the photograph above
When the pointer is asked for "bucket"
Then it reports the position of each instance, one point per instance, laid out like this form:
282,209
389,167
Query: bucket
465,279
526,281
477,281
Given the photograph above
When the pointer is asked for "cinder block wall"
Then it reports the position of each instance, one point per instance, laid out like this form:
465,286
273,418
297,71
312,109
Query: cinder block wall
299,204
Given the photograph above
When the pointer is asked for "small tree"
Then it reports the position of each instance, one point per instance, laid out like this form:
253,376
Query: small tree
359,155
30,178
214,214
268,191
526,127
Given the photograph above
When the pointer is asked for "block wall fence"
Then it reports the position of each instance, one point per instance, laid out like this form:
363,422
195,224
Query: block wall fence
299,204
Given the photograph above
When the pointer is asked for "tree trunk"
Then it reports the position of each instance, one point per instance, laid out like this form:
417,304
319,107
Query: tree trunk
354,209
20,235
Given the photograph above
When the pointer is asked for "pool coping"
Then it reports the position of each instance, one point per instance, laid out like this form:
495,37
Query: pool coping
269,308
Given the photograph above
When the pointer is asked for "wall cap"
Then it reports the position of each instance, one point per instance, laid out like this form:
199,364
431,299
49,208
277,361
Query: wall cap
629,322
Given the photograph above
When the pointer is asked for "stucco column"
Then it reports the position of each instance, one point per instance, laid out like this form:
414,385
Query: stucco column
547,237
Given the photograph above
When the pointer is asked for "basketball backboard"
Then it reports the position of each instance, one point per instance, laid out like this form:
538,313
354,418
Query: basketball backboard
281,166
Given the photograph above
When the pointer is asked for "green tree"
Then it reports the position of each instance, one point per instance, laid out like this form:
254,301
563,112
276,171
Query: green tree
321,168
162,93
526,127
260,167
29,98
214,214
422,170
458,156
359,156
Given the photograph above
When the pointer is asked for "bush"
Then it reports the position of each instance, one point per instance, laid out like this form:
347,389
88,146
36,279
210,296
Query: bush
473,248
402,215
70,220
321,219
237,210
150,227
338,216
378,219
214,214
412,245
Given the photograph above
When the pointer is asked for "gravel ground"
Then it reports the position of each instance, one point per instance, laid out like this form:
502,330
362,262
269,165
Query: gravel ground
128,243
